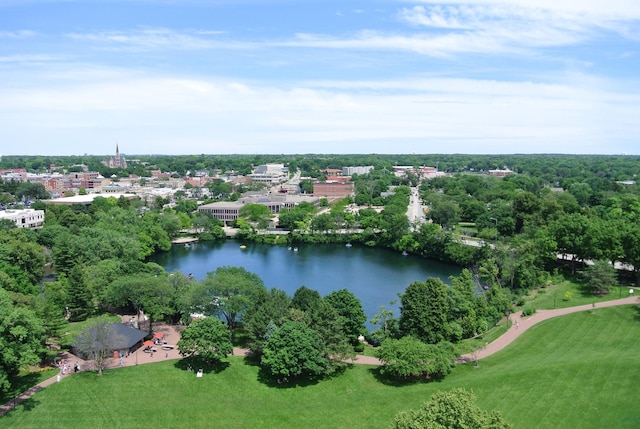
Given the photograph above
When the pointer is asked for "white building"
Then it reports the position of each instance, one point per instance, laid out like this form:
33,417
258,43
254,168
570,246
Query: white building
27,218
360,170
270,174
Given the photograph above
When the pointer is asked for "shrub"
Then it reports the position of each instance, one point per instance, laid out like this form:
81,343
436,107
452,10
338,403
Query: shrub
528,311
358,348
520,302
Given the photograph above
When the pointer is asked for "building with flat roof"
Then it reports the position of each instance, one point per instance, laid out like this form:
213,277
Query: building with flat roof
500,173
333,189
86,200
229,211
26,218
360,169
270,174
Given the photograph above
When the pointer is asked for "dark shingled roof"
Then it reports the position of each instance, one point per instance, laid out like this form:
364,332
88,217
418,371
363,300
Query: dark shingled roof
126,336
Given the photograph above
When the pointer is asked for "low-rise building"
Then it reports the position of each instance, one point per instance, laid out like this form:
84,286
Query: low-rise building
229,211
361,169
500,173
27,218
333,190
269,174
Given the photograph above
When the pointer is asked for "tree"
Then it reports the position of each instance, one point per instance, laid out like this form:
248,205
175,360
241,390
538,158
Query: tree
79,298
350,311
143,291
21,339
258,213
455,409
305,298
230,291
271,311
326,321
205,340
294,350
445,213
387,322
631,246
570,232
409,357
98,341
424,310
600,277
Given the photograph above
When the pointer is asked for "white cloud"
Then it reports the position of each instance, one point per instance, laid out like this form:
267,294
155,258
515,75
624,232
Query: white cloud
446,28
164,114
613,9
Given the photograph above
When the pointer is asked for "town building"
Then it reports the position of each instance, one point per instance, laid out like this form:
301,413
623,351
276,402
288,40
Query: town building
86,200
269,174
350,171
500,173
229,211
26,218
333,190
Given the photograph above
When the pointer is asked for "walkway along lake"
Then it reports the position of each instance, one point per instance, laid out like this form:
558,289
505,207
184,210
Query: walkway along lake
374,275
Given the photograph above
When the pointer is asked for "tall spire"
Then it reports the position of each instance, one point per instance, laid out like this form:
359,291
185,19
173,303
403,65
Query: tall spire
117,150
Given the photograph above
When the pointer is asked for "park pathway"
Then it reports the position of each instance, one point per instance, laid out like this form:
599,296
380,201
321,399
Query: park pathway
518,326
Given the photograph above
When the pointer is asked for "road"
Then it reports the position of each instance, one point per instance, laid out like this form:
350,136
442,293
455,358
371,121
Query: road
414,211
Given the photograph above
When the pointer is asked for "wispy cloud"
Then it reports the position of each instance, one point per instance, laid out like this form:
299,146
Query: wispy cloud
29,59
446,28
154,39
623,10
238,116
19,34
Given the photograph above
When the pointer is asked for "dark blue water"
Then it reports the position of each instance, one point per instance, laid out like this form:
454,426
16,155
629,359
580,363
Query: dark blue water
375,276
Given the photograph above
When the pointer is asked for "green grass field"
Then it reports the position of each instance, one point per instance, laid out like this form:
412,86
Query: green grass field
575,371
554,296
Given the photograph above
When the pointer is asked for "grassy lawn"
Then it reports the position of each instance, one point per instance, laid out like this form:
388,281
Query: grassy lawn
580,370
554,296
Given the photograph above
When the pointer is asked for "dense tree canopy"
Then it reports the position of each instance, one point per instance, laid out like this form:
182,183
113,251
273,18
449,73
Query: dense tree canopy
408,358
455,409
205,341
22,338
294,350
228,291
424,310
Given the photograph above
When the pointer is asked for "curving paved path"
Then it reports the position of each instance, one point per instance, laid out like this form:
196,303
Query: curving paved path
519,325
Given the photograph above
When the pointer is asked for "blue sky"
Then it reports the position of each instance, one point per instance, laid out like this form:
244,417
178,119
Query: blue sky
307,76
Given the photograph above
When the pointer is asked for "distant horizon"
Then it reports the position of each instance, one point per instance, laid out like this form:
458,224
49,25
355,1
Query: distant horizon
128,156
320,76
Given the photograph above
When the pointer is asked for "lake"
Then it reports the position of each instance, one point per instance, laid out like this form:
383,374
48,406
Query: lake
374,275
